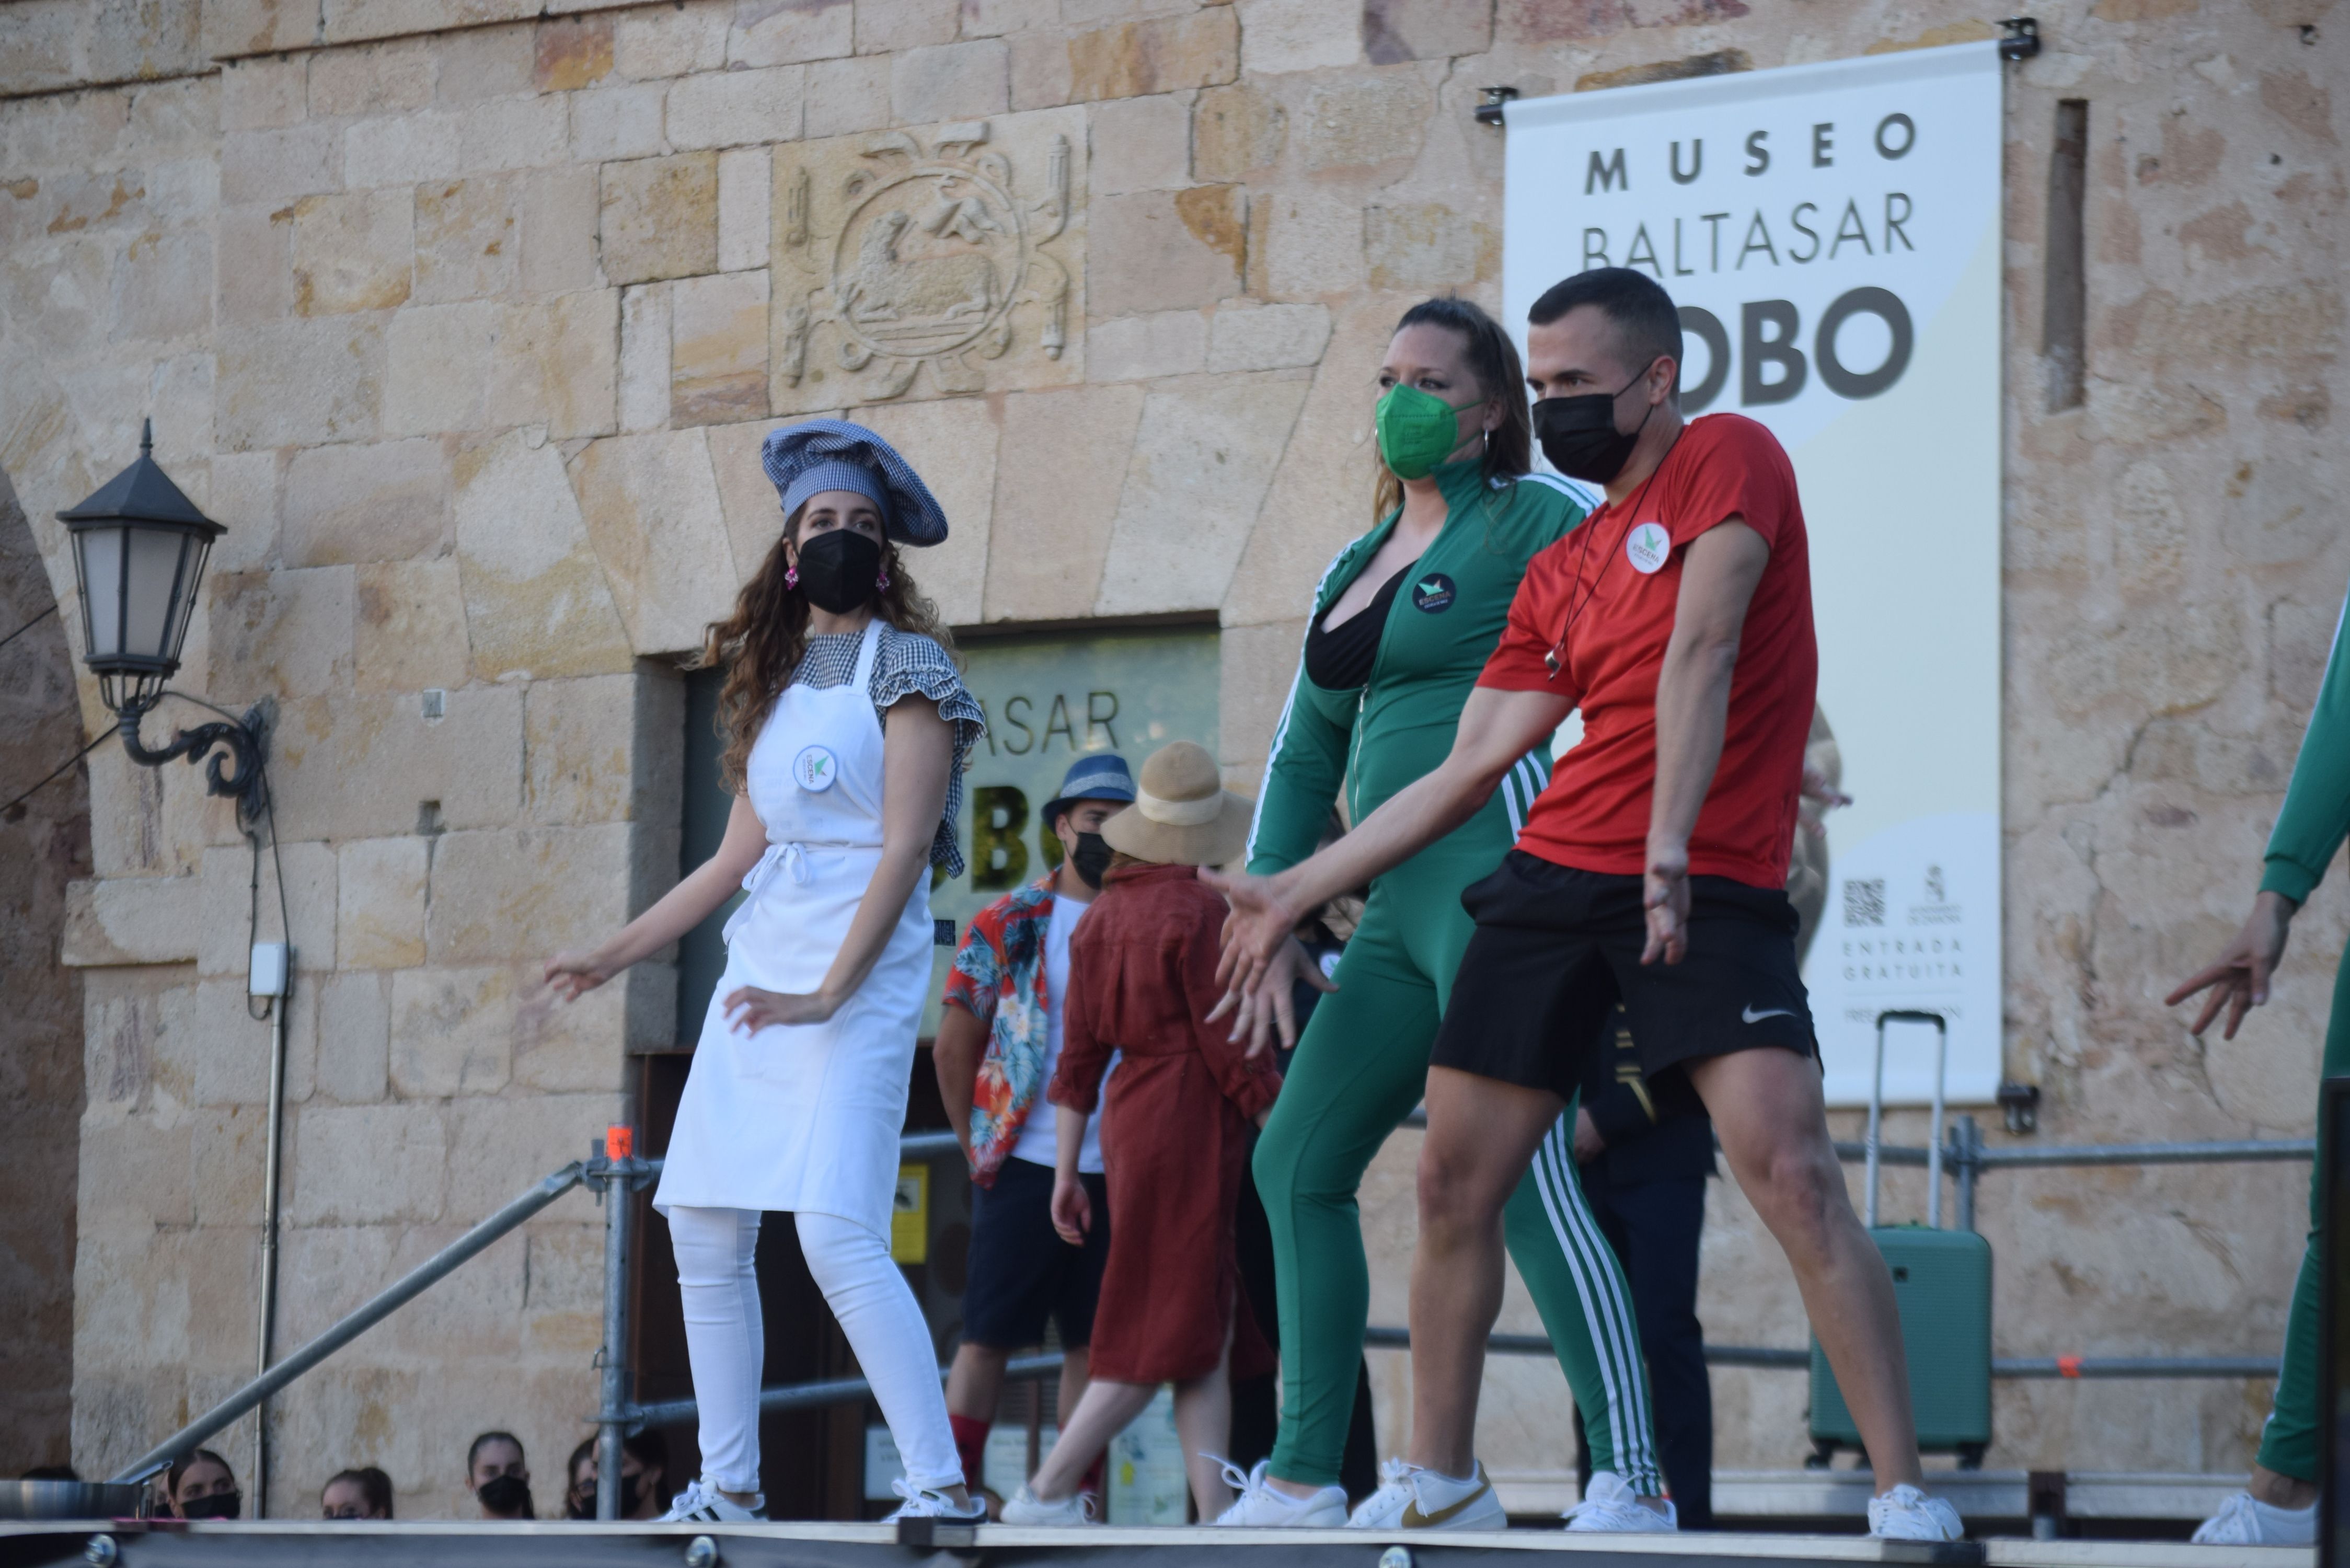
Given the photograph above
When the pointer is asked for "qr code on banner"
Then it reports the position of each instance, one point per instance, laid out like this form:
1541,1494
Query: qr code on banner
1864,902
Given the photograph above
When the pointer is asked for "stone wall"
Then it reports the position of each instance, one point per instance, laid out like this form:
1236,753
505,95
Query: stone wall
468,320
43,849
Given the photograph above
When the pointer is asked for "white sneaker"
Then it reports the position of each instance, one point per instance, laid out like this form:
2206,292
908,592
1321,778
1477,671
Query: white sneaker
921,1502
1905,1513
1412,1498
702,1503
2245,1520
1025,1507
1261,1506
1610,1506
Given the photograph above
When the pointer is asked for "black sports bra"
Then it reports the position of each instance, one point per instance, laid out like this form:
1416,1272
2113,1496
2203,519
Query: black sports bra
1340,659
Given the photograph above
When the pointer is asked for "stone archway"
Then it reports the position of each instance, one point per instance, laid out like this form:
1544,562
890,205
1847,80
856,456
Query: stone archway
44,845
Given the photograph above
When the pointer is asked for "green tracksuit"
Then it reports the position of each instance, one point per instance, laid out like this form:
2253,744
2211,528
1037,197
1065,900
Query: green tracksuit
2308,831
1362,1063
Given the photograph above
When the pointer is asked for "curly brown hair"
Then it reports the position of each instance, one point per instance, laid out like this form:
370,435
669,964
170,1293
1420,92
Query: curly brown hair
762,641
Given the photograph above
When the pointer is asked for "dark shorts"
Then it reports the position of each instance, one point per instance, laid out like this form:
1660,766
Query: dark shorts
1557,947
1021,1269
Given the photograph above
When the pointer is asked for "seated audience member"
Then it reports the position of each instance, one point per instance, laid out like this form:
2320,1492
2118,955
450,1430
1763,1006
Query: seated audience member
1175,1136
497,1476
996,1050
199,1486
364,1493
644,1465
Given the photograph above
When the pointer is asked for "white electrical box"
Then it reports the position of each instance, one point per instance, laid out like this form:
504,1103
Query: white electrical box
272,962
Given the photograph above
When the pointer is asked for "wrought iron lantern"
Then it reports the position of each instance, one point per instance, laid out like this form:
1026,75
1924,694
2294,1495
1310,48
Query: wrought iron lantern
139,550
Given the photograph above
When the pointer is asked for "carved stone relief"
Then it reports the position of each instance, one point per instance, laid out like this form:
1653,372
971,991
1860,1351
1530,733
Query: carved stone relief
960,251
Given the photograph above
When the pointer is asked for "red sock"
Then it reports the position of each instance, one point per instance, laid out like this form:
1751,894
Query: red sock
1093,1476
971,1447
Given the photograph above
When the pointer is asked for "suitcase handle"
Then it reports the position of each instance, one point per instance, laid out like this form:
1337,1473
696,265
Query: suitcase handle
1877,1110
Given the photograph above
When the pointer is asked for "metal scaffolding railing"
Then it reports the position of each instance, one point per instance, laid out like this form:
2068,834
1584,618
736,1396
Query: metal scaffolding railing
612,1173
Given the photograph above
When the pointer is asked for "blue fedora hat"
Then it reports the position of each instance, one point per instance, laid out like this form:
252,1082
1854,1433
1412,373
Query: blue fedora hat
1101,777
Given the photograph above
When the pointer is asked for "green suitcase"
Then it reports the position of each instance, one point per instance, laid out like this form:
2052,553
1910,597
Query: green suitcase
1941,1283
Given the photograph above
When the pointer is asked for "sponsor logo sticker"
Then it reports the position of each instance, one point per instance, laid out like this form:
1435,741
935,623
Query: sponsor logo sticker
1647,547
1433,593
816,768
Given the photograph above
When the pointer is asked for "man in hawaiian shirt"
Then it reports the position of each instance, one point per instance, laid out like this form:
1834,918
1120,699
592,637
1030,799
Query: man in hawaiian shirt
999,1039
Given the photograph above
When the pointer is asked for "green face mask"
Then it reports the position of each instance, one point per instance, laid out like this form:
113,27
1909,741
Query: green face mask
1418,430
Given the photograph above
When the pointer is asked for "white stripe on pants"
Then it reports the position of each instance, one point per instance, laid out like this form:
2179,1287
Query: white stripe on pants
718,1279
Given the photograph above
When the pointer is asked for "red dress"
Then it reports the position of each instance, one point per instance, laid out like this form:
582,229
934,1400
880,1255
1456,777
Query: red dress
1175,1132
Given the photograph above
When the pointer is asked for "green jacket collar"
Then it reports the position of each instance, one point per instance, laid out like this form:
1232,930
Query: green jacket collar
1459,483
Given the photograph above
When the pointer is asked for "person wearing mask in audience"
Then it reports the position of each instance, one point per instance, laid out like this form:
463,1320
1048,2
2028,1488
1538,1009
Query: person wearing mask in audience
1644,1149
846,726
999,1040
644,1461
1176,1115
498,1477
201,1486
1401,623
364,1493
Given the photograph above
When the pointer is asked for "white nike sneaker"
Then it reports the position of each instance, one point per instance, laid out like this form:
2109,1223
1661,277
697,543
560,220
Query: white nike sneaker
1610,1506
702,1503
1905,1513
1261,1506
1025,1507
1412,1498
921,1502
2245,1520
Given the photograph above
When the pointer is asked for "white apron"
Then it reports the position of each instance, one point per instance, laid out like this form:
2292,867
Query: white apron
807,1117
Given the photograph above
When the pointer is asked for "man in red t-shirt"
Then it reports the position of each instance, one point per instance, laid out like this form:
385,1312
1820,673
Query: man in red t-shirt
1653,868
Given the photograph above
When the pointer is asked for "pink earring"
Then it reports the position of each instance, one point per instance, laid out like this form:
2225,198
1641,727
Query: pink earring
791,577
884,581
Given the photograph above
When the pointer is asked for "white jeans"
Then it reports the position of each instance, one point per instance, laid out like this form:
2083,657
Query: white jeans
725,1344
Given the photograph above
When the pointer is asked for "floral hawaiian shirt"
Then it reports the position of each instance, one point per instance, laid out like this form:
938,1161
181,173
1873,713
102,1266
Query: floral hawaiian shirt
998,979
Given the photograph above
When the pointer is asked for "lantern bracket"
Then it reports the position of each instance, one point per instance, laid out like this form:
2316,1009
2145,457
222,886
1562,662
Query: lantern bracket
233,772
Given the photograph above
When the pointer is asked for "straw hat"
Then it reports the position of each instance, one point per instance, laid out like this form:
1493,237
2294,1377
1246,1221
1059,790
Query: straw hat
1182,815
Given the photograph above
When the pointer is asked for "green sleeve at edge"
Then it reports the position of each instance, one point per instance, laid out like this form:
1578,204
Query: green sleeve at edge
1301,781
2317,803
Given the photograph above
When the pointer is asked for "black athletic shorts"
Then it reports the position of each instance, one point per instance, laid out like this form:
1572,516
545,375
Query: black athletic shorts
1556,948
1021,1269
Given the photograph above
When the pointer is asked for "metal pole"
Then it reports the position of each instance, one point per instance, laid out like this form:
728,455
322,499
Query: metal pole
412,1285
1875,1144
1969,1142
275,1139
619,1194
1934,1143
2244,1150
831,1391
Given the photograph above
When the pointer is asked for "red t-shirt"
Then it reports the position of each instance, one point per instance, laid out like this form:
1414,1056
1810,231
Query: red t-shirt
1619,577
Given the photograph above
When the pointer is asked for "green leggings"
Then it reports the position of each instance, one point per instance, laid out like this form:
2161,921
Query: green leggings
2289,1440
1359,1070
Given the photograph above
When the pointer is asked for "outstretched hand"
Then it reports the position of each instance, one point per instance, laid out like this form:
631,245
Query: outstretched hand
1261,921
1270,1009
571,975
2239,981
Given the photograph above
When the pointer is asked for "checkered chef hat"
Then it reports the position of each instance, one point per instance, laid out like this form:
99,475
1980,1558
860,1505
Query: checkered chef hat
805,459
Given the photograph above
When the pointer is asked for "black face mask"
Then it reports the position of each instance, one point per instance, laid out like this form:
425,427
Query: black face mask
505,1496
1091,859
840,569
1579,434
582,1504
219,1505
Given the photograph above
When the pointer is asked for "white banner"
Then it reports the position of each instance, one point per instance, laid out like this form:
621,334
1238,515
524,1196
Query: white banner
1831,234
